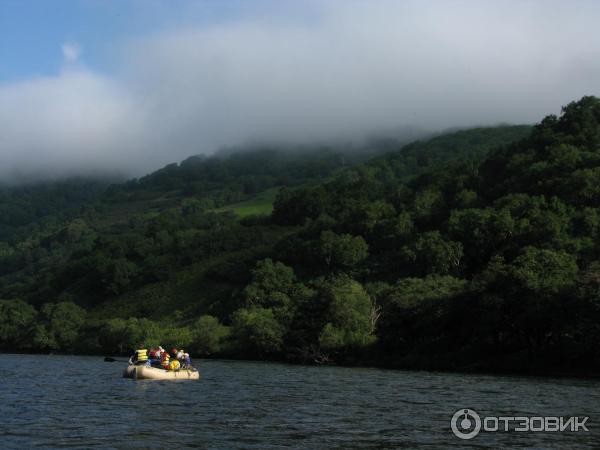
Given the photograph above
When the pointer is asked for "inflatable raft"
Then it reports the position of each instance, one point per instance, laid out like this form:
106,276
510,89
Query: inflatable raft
154,373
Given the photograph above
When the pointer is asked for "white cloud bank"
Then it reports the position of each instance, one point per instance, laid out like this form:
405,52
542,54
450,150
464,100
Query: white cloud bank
354,67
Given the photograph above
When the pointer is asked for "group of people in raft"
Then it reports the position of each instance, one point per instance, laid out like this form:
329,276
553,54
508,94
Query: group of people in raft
160,358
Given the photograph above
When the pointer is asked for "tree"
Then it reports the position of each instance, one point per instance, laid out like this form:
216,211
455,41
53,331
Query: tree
17,321
466,198
273,286
293,207
269,277
123,335
481,232
115,275
61,325
403,226
173,335
412,306
427,204
364,217
342,252
545,272
348,315
191,206
431,253
114,337
209,335
257,331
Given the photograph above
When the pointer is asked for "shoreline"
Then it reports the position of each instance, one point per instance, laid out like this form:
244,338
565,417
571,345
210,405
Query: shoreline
538,373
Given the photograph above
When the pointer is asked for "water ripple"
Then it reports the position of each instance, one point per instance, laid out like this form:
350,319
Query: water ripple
82,402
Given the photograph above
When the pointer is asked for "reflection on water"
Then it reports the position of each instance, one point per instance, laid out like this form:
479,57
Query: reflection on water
60,401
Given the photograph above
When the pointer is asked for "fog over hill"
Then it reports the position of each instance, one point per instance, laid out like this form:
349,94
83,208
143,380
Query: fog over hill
335,70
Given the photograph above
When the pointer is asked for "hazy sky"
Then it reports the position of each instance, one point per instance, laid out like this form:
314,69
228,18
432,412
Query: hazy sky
137,84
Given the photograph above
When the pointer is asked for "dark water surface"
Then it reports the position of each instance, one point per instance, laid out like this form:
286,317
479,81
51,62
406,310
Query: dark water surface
82,402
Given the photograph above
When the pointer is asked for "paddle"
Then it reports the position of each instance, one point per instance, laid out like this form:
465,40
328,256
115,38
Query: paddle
109,359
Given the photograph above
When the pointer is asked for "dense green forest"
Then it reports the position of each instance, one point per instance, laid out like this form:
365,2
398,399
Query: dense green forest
476,249
26,209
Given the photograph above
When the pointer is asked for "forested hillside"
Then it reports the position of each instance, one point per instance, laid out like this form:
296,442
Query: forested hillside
439,254
26,209
490,265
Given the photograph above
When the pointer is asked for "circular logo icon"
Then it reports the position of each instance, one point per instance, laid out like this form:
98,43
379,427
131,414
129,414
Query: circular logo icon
465,424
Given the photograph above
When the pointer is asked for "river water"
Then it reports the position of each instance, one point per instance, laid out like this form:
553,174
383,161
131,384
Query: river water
83,402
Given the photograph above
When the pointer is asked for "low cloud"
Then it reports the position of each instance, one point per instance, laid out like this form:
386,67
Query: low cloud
347,69
65,124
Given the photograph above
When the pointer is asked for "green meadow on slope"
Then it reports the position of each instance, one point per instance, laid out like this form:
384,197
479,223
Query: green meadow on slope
260,204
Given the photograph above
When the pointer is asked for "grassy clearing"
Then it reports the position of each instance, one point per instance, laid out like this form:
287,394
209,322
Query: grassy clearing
261,204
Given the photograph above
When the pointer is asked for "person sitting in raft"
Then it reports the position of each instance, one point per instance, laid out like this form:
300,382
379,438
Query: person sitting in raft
165,360
140,356
157,360
155,356
181,357
187,362
174,365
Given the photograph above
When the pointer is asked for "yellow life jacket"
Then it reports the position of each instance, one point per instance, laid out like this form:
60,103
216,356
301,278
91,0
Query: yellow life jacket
174,365
141,354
